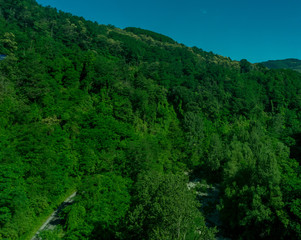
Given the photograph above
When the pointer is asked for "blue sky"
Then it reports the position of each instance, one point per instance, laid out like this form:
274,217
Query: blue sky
257,30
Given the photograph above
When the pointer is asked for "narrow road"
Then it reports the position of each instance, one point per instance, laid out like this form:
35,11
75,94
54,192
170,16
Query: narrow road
54,219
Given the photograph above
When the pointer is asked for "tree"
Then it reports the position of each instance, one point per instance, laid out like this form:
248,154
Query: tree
101,204
164,208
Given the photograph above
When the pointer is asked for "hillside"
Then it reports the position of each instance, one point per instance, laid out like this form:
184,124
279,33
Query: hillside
290,63
122,116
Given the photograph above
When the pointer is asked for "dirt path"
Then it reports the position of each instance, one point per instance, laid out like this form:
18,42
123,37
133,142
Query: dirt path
54,219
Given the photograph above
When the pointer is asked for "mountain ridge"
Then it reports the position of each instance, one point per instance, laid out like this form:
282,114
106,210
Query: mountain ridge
288,63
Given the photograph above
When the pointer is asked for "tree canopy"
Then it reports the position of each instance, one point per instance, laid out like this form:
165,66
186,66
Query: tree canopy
122,115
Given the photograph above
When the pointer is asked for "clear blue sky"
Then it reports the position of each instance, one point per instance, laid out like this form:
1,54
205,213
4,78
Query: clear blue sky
257,30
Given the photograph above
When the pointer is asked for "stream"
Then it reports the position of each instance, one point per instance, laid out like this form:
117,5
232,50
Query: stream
208,195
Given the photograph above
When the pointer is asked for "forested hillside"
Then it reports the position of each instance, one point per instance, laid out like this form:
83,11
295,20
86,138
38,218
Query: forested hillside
290,63
122,115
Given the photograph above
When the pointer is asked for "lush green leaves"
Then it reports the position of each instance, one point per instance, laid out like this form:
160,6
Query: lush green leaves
121,114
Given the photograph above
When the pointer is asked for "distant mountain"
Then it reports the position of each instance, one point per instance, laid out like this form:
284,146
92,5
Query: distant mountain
290,63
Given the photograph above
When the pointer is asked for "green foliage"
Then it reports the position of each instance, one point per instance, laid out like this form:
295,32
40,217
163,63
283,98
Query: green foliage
164,208
154,35
101,204
101,109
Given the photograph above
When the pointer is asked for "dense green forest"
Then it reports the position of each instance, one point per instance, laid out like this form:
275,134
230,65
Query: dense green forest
290,63
122,116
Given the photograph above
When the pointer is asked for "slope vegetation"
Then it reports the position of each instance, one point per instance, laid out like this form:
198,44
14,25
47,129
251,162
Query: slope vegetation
120,115
290,63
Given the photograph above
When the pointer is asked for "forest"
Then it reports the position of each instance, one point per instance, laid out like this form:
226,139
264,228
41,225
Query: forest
290,63
127,118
